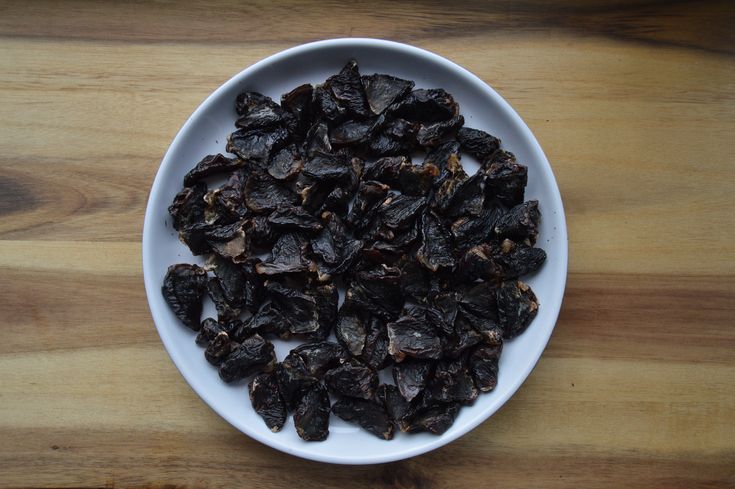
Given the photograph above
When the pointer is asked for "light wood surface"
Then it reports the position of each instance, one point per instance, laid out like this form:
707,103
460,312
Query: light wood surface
634,104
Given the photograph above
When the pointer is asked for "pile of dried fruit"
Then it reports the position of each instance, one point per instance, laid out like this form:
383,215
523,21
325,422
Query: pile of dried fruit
323,185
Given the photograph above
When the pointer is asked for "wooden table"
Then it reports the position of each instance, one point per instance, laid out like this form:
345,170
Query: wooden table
634,104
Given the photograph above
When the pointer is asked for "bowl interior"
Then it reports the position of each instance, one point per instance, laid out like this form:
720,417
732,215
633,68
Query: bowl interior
206,132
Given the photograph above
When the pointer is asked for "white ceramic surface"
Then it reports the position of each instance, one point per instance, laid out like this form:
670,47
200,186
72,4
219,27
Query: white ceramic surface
205,133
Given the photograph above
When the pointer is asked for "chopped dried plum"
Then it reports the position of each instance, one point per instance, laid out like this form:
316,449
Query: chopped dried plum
299,309
225,311
465,336
435,252
294,219
520,223
317,140
350,133
229,241
320,356
437,132
267,402
183,289
350,329
426,105
369,196
377,291
417,179
298,103
383,90
504,261
333,249
392,137
483,364
517,306
250,356
257,145
436,420
294,380
352,379
209,331
409,337
211,165
311,417
478,143
375,352
265,116
398,212
393,401
288,256
414,280
263,193
218,349
460,195
442,311
368,414
327,300
268,319
386,170
411,377
247,101
188,207
469,231
505,179
452,382
347,90
285,164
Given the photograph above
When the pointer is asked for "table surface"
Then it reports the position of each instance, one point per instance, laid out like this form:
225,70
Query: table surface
634,104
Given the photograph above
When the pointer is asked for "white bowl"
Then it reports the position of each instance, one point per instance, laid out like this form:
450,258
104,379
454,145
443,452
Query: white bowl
205,133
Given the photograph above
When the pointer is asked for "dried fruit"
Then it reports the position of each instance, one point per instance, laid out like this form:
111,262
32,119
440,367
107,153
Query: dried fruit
368,414
183,288
266,399
311,417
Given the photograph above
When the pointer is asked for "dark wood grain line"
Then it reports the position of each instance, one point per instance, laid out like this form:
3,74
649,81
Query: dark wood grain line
704,26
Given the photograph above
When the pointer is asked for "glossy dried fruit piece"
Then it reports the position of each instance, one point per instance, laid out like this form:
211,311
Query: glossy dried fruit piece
311,417
289,255
409,337
294,219
346,88
352,379
520,223
208,331
299,308
442,311
452,382
370,415
257,145
469,231
426,105
327,300
268,319
417,179
375,353
504,261
229,241
460,196
225,311
333,168
317,140
249,100
478,143
395,405
386,170
369,196
267,402
435,252
263,193
294,380
298,103
464,337
414,279
252,355
265,116
400,243
392,137
252,289
183,288
377,291
218,349
430,135
505,179
320,356
398,212
412,376
188,207
483,364
517,306
285,164
436,419
351,330
350,133
383,90
211,165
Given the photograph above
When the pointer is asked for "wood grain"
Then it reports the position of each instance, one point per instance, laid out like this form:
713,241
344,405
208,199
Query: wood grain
634,104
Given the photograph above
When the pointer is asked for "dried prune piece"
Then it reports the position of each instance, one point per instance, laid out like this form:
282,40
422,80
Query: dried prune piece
508,260
446,158
436,420
442,311
299,308
247,101
327,300
267,402
317,140
264,194
333,248
224,204
338,201
350,329
333,168
370,415
294,219
377,291
505,179
218,349
414,280
320,356
392,137
265,116
294,380
393,401
452,382
211,165
426,105
434,133
398,212
350,132
375,353
257,145
232,280
412,376
483,364
469,231
188,207
209,330
288,256
417,179
399,244
347,89
413,338
246,358
520,223
460,196
386,169
252,290
352,379
311,417
285,164
369,196
435,252
478,143
183,289
486,326
225,311
465,336
268,319
229,241
298,103
383,90
517,306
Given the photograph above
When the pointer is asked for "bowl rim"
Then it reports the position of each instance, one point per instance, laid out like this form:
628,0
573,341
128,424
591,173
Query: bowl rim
152,287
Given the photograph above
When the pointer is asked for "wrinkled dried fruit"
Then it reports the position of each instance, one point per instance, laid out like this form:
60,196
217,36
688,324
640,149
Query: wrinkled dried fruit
517,306
267,402
352,379
246,358
383,90
520,223
311,417
478,143
368,414
411,377
413,338
183,289
484,366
